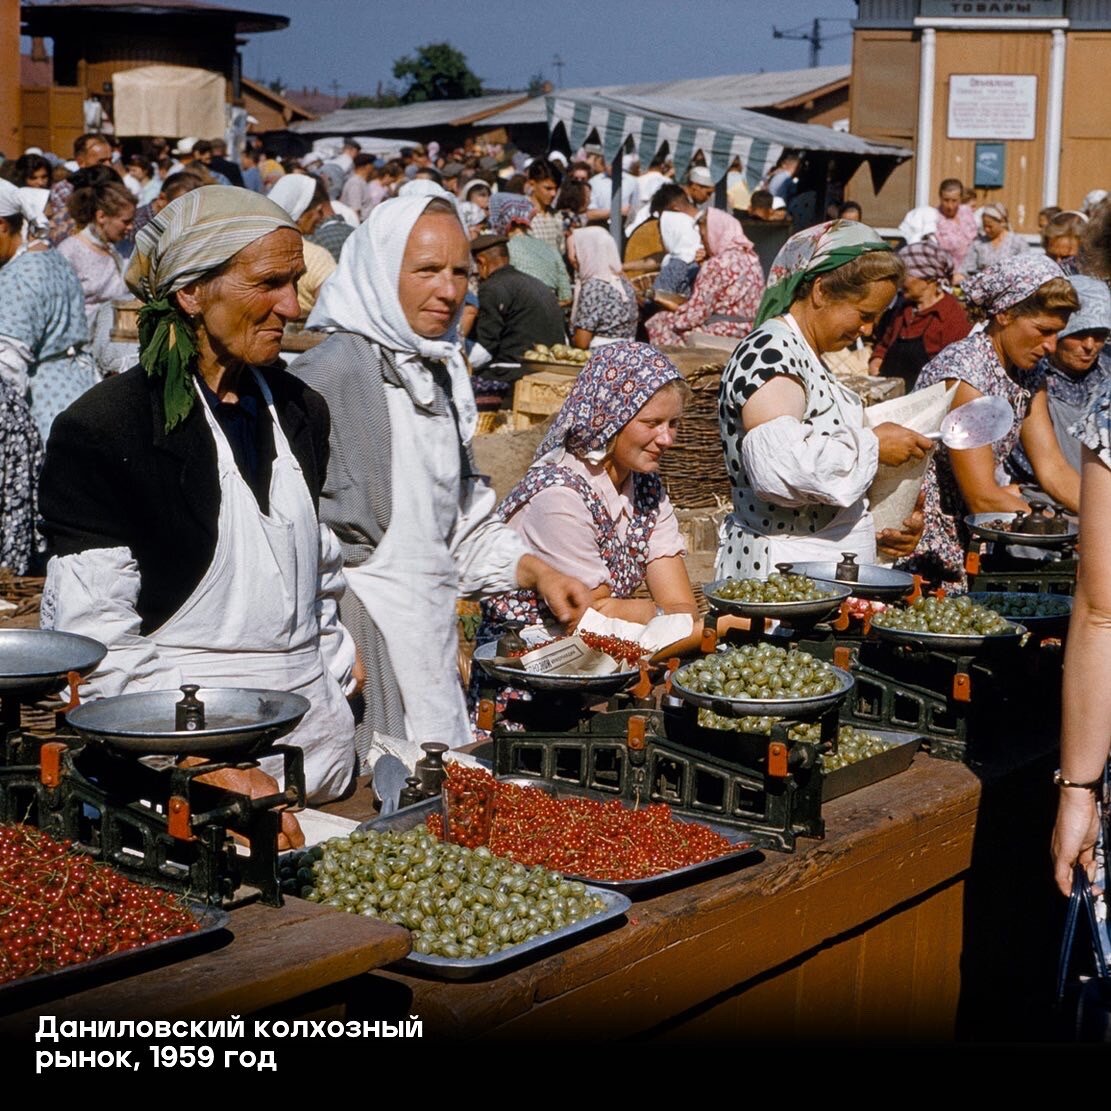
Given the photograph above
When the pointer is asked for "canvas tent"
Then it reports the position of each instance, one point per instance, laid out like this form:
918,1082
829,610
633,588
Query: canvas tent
169,100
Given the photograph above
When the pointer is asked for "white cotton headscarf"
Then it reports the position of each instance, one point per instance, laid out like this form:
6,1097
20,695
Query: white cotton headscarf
294,193
596,257
680,235
11,203
361,297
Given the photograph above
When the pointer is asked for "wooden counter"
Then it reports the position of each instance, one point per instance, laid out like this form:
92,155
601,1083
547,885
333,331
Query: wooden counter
926,913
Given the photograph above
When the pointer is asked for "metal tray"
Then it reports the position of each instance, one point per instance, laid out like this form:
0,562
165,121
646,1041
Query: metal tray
1050,625
598,685
464,968
36,661
883,765
978,524
75,977
879,584
811,611
799,709
412,816
239,721
951,642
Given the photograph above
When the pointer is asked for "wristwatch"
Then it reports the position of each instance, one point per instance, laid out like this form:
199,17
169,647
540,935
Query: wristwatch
1060,781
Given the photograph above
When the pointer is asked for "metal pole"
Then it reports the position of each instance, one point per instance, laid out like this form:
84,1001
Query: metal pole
1054,112
617,222
923,152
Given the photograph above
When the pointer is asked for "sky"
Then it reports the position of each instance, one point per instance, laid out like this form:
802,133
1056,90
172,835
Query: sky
601,42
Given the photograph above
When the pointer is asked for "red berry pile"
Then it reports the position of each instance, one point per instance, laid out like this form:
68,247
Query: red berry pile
624,651
583,837
59,907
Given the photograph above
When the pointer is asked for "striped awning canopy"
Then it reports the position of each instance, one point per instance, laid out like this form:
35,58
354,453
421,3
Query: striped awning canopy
719,132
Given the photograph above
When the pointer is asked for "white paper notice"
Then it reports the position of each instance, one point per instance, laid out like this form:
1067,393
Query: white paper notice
569,656
895,489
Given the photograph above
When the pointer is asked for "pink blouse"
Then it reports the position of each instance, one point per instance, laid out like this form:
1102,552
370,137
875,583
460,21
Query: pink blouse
557,525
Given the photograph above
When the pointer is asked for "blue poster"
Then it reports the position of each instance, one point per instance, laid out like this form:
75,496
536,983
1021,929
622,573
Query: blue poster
991,163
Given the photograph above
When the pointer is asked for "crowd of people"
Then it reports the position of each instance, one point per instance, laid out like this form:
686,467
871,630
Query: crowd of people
349,481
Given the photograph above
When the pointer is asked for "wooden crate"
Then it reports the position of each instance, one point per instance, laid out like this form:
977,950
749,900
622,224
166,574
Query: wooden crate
537,396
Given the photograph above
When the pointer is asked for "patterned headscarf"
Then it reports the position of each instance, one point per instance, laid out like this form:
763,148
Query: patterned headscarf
724,233
926,260
189,238
613,387
817,250
1000,287
507,209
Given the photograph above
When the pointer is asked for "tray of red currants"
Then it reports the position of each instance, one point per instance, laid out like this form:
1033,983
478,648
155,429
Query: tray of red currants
67,919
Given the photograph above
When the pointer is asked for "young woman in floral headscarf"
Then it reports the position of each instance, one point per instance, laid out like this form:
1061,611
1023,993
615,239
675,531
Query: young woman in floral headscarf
1027,301
592,503
799,458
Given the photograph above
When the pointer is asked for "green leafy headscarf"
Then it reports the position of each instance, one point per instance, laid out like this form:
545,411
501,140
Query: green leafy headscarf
189,238
814,251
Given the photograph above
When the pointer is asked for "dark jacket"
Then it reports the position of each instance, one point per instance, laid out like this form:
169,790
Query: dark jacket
516,311
113,477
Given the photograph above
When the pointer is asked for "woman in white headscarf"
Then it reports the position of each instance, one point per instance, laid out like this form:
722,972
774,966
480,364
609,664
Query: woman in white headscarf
295,193
605,304
414,518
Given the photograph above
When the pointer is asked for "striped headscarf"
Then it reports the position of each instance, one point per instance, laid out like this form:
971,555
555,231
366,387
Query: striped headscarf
817,250
189,238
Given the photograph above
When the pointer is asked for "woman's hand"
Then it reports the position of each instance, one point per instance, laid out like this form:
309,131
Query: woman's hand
899,445
566,597
1074,835
358,675
898,543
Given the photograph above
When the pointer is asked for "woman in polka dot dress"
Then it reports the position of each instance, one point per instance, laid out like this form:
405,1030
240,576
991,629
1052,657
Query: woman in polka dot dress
799,458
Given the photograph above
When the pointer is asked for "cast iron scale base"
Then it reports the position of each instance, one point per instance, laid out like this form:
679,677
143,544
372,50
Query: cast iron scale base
640,752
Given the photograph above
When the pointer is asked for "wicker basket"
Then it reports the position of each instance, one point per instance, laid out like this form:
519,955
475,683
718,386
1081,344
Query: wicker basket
694,469
24,591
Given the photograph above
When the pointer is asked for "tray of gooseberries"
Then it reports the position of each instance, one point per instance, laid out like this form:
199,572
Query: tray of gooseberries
1045,614
785,596
762,678
954,622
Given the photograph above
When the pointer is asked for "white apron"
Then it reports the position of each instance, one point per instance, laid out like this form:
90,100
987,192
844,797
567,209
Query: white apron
410,583
252,619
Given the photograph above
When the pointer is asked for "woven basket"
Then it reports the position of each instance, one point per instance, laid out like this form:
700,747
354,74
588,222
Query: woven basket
694,469
25,591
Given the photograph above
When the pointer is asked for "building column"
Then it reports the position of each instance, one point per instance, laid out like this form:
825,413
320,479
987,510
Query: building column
924,144
11,122
1054,115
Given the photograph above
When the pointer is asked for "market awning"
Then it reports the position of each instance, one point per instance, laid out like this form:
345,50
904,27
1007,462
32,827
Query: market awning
721,133
169,100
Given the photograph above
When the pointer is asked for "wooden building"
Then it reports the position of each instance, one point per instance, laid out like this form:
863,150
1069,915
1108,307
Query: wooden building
1005,96
93,39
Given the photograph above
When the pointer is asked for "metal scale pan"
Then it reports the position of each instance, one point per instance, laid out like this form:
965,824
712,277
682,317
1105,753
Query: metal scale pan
876,584
809,612
600,686
951,642
1050,624
980,524
238,722
34,662
798,709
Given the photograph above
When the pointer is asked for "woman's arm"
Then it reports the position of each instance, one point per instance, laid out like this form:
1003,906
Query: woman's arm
974,471
582,338
670,587
1086,717
1052,470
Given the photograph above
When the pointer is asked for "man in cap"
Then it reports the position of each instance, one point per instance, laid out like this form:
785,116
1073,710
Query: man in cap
699,186
515,311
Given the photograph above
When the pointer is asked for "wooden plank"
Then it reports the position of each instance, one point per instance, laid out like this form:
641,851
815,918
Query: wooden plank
936,971
276,954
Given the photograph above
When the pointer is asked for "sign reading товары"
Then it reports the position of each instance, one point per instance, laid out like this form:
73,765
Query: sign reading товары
992,106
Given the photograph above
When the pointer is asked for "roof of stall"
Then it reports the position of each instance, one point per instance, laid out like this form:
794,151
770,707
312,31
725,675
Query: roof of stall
721,133
782,89
410,117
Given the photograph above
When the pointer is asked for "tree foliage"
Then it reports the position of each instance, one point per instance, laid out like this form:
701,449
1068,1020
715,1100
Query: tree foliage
436,72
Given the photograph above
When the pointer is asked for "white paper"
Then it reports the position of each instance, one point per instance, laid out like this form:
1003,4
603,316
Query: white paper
894,491
658,633
569,656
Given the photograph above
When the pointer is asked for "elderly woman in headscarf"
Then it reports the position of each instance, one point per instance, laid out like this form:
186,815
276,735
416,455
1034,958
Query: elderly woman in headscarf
511,216
592,501
44,332
414,517
726,292
1026,302
995,242
605,304
799,457
929,319
180,498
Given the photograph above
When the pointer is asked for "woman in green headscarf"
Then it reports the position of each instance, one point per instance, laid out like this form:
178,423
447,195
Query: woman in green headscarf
799,458
180,498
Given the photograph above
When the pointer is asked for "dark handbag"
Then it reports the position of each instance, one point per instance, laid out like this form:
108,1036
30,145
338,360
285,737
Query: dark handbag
1083,1001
